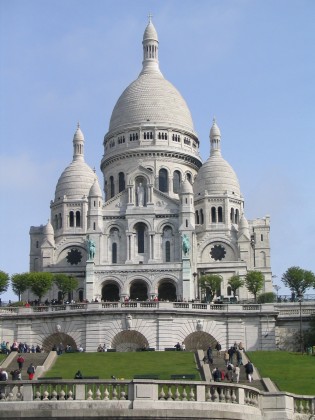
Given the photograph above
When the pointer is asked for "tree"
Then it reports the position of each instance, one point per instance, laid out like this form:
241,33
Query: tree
210,283
40,283
4,281
268,297
298,280
254,281
66,284
235,282
20,283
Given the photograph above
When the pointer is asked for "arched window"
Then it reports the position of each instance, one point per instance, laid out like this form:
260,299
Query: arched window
71,219
56,221
81,295
163,180
112,187
197,217
78,219
201,217
220,215
121,181
140,237
176,181
94,226
114,253
188,176
167,251
213,215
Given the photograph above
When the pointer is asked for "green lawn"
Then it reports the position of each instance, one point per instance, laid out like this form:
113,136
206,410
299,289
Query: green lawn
291,372
125,365
2,357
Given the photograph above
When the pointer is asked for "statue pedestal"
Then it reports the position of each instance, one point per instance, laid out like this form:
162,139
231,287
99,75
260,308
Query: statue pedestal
187,282
89,280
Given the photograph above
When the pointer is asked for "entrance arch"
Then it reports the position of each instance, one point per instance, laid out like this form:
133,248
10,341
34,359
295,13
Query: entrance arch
57,338
129,341
199,340
138,290
110,292
167,291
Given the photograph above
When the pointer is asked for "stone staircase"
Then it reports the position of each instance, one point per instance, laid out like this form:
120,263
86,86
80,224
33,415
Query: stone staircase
218,362
37,359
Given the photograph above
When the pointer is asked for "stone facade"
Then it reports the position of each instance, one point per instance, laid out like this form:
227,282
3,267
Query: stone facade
157,191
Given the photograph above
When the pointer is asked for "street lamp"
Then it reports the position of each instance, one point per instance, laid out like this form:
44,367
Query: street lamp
300,300
277,288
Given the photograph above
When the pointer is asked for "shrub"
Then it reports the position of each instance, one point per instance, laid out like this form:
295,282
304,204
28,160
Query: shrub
268,297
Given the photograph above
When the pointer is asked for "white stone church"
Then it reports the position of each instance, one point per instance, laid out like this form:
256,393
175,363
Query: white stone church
157,193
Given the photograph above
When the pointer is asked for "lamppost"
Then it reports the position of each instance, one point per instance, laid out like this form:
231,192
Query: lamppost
277,288
300,300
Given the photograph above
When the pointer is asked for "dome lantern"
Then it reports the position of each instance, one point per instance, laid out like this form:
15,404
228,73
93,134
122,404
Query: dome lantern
215,139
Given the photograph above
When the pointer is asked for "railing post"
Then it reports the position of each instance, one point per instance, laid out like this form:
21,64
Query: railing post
80,392
200,393
241,396
28,392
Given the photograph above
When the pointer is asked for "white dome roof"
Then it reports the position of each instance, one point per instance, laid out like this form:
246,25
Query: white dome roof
151,99
186,187
217,177
95,190
75,181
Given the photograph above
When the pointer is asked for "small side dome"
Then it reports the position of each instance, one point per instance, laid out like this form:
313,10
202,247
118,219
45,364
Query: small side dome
243,227
78,135
215,130
48,229
186,187
75,181
150,32
95,190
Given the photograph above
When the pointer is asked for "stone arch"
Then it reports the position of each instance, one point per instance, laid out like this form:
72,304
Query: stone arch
129,341
199,340
167,290
138,290
110,291
57,338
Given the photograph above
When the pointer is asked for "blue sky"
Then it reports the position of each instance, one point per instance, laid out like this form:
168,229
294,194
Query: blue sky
249,63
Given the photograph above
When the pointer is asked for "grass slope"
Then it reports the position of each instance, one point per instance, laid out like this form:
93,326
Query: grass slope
291,372
124,365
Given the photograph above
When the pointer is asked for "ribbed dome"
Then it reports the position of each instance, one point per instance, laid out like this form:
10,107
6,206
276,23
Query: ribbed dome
152,99
75,181
216,176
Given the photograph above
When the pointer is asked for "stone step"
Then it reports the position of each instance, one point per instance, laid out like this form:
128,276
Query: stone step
37,359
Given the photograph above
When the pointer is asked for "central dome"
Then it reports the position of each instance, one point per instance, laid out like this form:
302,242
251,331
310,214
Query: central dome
151,99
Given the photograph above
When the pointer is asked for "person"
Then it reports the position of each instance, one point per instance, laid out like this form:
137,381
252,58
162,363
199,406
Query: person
20,361
231,354
229,372
216,375
239,358
183,346
218,348
3,375
16,375
31,371
249,369
226,357
236,374
100,348
209,355
140,193
78,375
177,346
80,348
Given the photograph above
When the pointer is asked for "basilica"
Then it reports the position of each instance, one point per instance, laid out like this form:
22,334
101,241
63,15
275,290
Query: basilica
162,218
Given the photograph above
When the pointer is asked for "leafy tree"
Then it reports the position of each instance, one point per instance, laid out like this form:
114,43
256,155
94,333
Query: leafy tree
298,280
235,282
20,283
66,284
309,335
40,283
4,281
268,297
210,283
254,281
